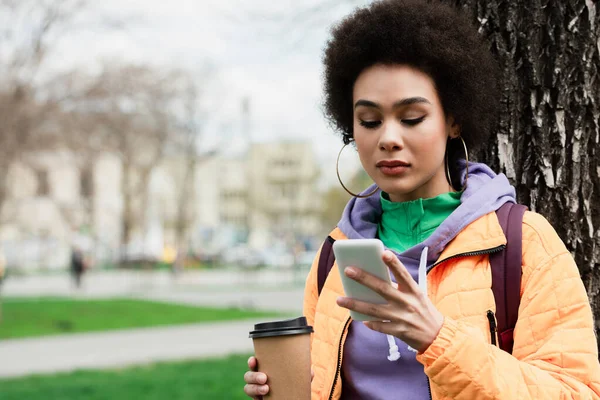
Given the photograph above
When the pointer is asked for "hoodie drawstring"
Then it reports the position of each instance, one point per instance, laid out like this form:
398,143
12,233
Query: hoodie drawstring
394,354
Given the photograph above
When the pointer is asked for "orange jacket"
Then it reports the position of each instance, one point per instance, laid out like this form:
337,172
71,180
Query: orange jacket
554,356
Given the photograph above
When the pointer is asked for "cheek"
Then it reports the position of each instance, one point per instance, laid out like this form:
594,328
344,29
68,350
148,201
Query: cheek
363,150
433,144
364,143
429,150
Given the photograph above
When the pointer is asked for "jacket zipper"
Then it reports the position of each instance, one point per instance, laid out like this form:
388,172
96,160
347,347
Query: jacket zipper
429,388
493,319
493,328
338,371
469,254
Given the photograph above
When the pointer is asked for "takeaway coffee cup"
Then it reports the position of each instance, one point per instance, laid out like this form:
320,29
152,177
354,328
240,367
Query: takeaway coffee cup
282,349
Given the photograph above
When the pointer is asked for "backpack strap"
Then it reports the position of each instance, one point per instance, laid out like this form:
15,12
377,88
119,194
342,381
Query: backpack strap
506,273
326,260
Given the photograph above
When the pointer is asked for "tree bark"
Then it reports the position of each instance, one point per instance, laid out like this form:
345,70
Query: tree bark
549,129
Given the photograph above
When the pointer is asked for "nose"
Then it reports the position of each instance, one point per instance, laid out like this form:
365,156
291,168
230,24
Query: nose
391,137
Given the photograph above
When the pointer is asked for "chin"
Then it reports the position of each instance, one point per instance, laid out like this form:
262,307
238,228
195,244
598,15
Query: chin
398,190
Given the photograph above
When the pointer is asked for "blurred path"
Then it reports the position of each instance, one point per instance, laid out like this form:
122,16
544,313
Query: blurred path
277,300
268,291
118,349
131,283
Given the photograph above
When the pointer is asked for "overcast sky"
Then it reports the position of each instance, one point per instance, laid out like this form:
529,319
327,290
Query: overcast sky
257,49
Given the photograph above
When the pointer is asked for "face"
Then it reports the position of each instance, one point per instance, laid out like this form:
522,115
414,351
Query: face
400,131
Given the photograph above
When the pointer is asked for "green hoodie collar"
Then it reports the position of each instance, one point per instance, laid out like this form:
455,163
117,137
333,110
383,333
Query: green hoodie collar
406,224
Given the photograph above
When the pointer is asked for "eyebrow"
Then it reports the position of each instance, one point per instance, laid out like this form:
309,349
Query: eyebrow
401,103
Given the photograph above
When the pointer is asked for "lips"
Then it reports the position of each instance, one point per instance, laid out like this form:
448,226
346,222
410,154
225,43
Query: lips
392,163
393,168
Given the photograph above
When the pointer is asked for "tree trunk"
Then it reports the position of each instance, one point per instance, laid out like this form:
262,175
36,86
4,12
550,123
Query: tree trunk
127,216
185,200
548,137
4,171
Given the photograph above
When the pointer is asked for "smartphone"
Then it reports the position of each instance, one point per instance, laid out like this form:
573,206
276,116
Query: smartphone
364,254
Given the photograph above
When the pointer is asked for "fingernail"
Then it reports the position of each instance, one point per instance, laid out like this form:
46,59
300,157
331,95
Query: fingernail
262,378
263,390
351,272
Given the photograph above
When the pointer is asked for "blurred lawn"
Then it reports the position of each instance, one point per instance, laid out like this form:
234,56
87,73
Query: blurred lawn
206,379
48,316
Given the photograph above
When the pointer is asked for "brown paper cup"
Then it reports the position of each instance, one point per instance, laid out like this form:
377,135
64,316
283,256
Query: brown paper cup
282,349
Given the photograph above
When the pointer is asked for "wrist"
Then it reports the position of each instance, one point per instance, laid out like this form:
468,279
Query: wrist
433,333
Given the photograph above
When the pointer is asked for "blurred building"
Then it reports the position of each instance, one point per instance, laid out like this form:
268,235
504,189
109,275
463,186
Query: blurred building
233,188
263,197
282,193
52,203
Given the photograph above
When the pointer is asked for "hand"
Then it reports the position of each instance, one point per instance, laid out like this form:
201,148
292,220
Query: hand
408,315
256,381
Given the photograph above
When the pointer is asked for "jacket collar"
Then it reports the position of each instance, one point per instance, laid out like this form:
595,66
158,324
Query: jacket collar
481,235
485,233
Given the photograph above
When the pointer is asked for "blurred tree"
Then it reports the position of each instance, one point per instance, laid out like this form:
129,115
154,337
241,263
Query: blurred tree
83,140
31,113
27,31
190,132
191,121
134,107
141,115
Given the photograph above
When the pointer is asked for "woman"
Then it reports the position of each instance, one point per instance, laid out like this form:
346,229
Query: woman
412,86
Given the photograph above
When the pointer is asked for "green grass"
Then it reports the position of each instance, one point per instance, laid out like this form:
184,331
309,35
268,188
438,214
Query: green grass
191,380
49,316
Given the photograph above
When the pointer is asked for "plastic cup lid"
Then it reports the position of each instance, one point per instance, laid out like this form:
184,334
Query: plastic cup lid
294,326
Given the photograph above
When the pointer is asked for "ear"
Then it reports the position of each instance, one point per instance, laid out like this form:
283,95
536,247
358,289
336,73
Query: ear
452,127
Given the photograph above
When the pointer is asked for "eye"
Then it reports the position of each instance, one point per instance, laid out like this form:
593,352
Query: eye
412,122
370,124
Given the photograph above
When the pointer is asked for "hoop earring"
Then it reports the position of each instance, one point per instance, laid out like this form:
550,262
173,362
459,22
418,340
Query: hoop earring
466,165
448,178
337,170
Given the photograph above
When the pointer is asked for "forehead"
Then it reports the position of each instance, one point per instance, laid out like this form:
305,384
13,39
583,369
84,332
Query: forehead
389,83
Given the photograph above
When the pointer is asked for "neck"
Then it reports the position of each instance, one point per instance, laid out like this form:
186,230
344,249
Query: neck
437,185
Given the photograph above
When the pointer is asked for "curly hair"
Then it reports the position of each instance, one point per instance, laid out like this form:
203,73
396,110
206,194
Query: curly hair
433,37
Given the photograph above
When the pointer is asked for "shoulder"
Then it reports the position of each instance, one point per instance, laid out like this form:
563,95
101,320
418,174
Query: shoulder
337,234
543,249
326,245
537,231
325,249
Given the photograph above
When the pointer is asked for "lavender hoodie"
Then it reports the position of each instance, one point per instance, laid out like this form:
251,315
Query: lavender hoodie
367,373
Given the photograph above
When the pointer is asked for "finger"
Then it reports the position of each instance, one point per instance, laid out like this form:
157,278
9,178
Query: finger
403,277
312,374
387,328
252,364
379,311
256,391
255,378
371,281
251,391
